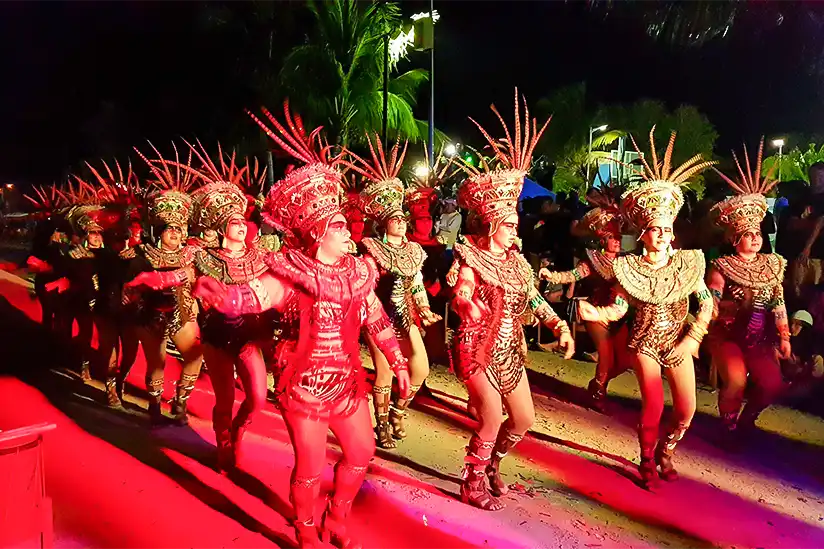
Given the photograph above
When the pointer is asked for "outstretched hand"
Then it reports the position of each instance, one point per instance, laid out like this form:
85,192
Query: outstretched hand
150,279
61,285
211,292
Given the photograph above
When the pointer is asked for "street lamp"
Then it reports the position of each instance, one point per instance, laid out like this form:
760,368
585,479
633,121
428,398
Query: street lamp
592,130
780,144
450,150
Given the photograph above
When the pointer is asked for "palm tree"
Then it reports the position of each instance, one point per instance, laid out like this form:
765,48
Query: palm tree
335,78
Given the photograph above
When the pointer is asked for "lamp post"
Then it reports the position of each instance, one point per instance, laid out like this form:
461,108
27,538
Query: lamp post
592,130
780,144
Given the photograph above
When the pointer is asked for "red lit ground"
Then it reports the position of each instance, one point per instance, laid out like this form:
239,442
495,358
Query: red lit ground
115,483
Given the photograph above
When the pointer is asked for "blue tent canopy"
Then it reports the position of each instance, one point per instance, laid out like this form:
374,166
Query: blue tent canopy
533,190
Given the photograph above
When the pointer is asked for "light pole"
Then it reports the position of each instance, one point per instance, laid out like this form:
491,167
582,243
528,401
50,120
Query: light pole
780,144
592,130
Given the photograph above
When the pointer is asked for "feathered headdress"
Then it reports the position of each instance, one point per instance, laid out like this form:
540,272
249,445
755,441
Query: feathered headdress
746,210
421,192
307,196
492,193
382,198
659,197
46,201
170,204
605,218
221,195
85,212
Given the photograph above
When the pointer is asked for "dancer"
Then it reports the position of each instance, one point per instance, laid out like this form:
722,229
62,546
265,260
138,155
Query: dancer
595,275
88,274
495,288
658,284
326,296
167,312
747,288
400,287
229,343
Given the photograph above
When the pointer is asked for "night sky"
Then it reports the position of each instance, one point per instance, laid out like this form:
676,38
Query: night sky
85,80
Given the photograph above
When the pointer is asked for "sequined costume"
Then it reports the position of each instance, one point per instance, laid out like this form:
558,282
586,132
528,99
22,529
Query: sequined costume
218,330
163,311
496,346
319,366
660,296
594,278
324,307
501,290
400,285
750,315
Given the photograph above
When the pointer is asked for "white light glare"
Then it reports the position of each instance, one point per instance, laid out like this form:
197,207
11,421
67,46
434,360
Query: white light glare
399,45
423,15
450,150
421,170
600,128
778,142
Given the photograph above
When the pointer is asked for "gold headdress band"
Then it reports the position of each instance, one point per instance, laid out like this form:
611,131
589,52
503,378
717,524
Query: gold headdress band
382,198
221,196
659,197
745,211
170,204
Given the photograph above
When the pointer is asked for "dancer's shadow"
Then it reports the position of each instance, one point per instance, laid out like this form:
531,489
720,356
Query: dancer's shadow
29,359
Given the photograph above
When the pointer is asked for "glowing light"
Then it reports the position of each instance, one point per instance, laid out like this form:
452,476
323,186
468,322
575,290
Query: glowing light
600,128
778,143
399,45
435,16
450,150
9,186
421,170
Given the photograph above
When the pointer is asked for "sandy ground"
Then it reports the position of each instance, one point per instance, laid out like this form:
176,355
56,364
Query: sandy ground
115,483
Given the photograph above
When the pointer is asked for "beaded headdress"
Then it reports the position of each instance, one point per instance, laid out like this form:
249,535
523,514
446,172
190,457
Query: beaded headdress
170,204
310,195
659,196
746,210
221,196
605,218
85,212
382,198
493,193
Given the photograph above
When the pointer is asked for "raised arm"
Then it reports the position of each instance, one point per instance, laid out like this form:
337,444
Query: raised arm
581,271
260,294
